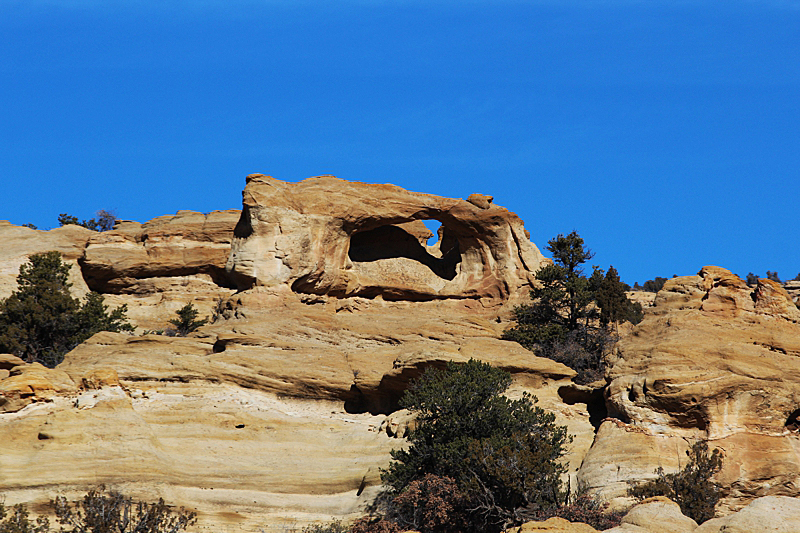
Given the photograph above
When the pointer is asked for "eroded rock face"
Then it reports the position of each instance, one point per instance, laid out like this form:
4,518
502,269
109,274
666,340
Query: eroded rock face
154,268
714,359
329,236
274,415
19,243
143,258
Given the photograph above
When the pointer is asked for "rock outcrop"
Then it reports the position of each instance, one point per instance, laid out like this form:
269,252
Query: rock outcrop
329,236
138,258
714,359
285,408
770,514
155,268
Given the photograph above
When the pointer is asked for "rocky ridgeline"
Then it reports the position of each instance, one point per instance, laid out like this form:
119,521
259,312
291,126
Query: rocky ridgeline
284,409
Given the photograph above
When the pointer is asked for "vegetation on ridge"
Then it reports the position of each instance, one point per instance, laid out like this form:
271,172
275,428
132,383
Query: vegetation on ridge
104,222
559,323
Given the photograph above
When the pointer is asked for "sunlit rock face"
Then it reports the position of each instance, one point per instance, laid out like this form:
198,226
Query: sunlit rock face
713,359
329,236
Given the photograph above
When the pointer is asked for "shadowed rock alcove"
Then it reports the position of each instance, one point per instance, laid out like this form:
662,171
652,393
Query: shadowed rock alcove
388,254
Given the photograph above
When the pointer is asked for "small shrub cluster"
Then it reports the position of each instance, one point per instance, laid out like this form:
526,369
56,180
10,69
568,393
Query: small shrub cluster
112,512
333,527
101,512
104,222
15,520
691,488
752,279
185,323
584,509
651,285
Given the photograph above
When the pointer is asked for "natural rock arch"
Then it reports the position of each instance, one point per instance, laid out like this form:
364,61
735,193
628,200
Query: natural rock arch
330,236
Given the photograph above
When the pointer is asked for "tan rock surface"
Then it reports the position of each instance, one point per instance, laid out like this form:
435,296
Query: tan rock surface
329,236
126,259
655,515
30,383
19,243
770,514
553,525
277,413
155,268
713,359
290,373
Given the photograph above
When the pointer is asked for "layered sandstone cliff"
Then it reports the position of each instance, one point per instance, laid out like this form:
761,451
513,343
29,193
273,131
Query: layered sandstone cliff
283,410
328,301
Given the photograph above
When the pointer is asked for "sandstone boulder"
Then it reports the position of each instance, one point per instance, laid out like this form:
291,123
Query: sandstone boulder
770,514
29,383
655,515
329,236
553,525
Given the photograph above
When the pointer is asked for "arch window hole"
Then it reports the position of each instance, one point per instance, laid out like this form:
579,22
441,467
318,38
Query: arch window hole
391,242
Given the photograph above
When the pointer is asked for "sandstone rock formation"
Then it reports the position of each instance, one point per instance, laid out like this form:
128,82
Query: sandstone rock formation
284,409
329,236
553,525
770,514
714,359
277,413
19,243
155,268
138,258
655,515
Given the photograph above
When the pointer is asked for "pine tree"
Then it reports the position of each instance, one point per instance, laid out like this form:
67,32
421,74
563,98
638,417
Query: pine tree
559,323
187,320
41,321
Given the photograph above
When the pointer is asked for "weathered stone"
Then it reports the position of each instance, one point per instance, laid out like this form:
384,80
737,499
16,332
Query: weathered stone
655,515
9,361
553,525
714,359
188,243
31,383
770,514
329,236
19,243
100,377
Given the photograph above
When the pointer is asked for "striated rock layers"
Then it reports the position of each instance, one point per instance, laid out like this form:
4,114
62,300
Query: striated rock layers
329,236
713,359
284,409
155,268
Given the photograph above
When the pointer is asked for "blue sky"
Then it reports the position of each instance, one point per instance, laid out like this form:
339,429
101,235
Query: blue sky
667,133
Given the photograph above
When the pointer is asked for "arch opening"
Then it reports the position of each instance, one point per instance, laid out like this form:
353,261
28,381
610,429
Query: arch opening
393,244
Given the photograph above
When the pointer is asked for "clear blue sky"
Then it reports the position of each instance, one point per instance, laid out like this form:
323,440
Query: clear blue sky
667,133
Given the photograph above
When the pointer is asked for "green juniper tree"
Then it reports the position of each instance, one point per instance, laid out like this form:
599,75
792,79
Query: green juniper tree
504,455
41,321
187,320
691,488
